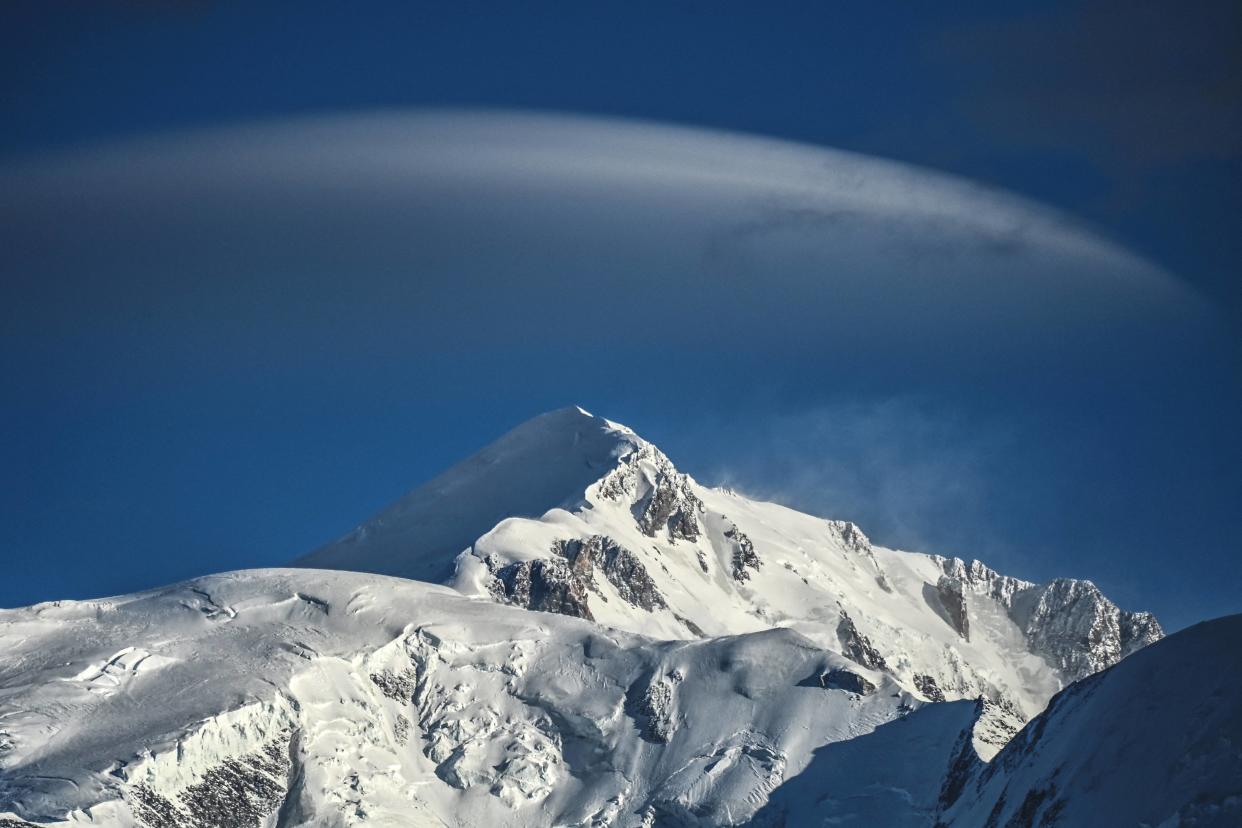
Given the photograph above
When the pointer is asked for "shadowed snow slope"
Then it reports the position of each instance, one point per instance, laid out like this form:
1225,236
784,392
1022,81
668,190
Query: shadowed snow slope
574,514
1153,741
1156,740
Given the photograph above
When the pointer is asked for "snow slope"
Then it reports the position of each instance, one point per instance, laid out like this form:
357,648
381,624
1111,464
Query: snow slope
892,776
316,698
575,514
307,697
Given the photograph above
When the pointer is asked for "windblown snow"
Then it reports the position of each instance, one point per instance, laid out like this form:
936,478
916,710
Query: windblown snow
610,644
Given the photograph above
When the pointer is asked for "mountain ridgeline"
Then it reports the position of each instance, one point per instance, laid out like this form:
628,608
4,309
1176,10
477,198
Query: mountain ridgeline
619,536
566,630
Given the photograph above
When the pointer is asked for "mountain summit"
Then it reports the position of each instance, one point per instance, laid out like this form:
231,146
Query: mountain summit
575,514
546,462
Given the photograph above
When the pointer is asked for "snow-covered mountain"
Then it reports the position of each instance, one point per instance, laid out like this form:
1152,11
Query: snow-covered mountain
574,514
1153,741
611,644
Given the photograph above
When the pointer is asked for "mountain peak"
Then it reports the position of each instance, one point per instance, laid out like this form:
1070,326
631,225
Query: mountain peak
574,422
574,514
548,461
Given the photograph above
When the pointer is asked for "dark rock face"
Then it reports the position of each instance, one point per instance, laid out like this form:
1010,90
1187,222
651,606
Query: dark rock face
851,536
661,496
619,566
237,793
928,687
744,556
952,598
857,647
1073,626
847,681
673,506
401,729
545,585
562,583
694,628
396,686
1069,623
654,707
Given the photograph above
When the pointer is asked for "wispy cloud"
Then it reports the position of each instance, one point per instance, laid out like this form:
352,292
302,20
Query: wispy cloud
912,473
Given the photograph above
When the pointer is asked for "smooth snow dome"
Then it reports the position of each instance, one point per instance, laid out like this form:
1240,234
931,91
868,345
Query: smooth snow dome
543,230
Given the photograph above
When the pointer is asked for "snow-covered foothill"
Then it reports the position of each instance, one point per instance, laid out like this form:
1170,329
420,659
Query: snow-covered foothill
310,697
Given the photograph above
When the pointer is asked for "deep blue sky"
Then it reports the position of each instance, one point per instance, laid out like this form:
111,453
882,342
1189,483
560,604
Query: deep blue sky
129,461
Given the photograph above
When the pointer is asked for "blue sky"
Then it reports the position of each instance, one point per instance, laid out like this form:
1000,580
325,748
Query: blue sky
198,422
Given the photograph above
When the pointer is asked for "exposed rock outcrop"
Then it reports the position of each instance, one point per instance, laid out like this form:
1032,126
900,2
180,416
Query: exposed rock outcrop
673,506
928,687
853,539
1072,625
655,707
951,595
851,536
546,585
618,565
744,557
846,680
396,686
856,646
663,498
240,792
1068,622
563,582
1137,629
996,723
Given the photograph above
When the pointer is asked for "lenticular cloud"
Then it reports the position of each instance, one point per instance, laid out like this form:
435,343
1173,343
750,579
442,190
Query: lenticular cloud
401,221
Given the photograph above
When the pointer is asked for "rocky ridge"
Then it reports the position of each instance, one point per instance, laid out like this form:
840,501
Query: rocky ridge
1068,622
